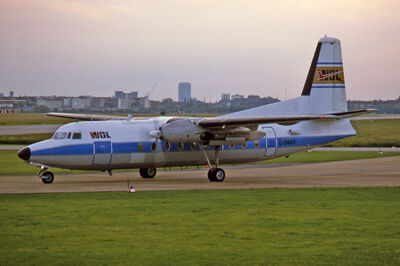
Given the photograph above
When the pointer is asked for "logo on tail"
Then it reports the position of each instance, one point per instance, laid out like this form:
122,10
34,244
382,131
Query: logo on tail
322,75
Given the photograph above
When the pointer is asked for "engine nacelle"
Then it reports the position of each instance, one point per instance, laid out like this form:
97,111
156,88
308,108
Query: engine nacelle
187,130
184,130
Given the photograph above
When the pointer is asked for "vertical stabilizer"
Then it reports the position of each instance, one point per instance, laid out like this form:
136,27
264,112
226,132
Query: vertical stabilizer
325,86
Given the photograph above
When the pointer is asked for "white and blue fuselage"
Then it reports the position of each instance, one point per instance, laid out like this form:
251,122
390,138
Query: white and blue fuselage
104,145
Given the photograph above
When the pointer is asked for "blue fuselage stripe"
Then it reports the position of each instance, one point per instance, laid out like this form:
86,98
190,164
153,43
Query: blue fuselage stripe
133,147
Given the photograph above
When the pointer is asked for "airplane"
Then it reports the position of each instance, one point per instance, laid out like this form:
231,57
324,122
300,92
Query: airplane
319,116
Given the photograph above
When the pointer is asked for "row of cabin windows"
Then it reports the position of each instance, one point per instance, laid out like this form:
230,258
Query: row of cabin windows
167,146
67,135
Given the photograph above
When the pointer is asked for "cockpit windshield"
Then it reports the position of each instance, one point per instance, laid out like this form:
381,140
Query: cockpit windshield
60,135
67,135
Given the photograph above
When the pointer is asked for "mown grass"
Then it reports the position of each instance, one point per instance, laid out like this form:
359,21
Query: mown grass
30,119
338,226
10,164
372,133
24,139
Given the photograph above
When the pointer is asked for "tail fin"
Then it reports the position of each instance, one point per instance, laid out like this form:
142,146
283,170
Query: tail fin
325,85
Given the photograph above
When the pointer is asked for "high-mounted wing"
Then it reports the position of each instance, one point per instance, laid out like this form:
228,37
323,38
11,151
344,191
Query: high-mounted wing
233,130
230,122
87,117
254,121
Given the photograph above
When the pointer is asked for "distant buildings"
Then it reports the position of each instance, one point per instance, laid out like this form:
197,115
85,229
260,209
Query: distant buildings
10,106
119,95
125,95
184,92
126,102
238,99
53,103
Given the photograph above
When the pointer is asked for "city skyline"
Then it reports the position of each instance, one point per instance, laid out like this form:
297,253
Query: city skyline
265,48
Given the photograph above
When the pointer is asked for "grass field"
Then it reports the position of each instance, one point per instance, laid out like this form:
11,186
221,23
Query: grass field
372,133
30,119
10,164
337,226
23,139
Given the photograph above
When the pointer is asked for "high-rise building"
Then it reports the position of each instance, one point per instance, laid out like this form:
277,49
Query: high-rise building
119,94
132,95
184,92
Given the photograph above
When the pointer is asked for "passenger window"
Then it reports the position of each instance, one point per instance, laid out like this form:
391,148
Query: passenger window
153,146
256,144
140,147
166,146
180,146
60,135
193,145
77,135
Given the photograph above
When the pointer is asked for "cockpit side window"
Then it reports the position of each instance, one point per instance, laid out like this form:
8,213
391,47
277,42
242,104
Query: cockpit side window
69,135
76,135
60,135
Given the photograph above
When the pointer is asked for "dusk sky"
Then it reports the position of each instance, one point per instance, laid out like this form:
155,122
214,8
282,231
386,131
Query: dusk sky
94,47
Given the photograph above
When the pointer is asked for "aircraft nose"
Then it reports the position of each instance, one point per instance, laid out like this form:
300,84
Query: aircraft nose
24,154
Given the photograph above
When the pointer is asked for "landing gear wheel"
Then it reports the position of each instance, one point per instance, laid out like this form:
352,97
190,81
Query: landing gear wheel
148,172
216,175
211,175
47,177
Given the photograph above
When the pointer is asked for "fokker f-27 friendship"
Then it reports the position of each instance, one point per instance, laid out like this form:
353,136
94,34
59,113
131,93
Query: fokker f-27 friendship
317,117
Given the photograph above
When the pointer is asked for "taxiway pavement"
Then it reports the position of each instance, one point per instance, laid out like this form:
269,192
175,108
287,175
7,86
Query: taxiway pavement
355,173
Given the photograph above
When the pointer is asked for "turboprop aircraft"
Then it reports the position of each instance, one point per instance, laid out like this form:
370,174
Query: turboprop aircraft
317,117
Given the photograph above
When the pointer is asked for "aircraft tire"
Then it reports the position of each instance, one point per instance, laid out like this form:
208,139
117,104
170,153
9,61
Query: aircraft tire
148,172
216,175
48,177
211,176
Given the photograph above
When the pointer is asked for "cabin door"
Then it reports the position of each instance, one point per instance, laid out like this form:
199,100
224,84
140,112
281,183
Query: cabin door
102,152
270,141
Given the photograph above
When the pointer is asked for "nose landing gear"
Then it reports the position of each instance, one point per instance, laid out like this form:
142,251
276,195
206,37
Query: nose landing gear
47,177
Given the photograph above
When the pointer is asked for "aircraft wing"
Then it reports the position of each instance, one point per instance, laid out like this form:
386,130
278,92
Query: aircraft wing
232,122
87,117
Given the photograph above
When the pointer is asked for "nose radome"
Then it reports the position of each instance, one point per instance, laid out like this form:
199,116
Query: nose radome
24,154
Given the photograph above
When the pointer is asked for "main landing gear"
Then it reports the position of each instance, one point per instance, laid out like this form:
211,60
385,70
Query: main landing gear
147,172
215,174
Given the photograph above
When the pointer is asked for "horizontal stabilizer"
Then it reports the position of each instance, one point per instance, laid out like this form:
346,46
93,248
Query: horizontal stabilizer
354,113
